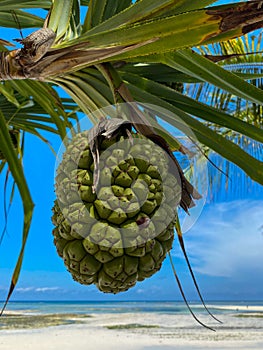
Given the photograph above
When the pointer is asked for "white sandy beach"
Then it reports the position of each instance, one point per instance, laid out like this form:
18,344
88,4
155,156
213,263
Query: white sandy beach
141,332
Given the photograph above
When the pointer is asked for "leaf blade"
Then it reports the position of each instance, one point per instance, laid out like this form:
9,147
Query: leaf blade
251,166
28,206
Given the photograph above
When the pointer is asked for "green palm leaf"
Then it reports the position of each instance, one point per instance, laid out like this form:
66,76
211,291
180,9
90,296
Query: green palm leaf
16,169
244,59
24,19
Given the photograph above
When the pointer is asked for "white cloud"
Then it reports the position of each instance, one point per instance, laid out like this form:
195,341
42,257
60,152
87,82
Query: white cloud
228,239
140,291
25,290
46,289
36,289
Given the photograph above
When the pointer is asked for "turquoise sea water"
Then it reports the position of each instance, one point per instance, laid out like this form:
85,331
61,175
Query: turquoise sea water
144,316
164,307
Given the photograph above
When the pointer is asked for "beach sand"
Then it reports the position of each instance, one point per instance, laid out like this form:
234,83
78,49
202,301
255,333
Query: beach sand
137,331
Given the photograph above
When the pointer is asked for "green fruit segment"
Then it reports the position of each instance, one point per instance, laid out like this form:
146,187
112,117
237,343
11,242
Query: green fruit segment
84,177
123,179
117,217
114,267
153,172
149,206
85,159
86,194
103,209
89,265
103,257
141,164
133,172
90,246
117,190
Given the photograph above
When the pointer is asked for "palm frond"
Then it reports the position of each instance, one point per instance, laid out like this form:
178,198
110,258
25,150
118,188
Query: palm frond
242,57
23,19
17,172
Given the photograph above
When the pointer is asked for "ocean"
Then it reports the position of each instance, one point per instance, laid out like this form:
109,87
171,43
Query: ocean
39,314
163,307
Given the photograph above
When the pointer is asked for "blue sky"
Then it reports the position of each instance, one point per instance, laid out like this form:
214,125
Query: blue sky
224,245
